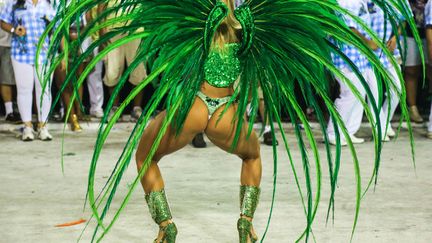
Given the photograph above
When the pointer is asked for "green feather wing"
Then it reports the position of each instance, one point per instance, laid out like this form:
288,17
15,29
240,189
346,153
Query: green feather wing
286,42
176,39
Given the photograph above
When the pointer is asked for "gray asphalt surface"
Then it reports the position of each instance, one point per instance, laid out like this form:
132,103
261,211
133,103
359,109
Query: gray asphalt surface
202,187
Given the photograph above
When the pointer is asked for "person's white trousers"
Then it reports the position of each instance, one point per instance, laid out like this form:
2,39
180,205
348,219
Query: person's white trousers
95,86
430,120
392,99
26,81
348,106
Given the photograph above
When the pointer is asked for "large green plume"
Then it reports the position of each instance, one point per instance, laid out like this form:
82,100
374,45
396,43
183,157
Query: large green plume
285,43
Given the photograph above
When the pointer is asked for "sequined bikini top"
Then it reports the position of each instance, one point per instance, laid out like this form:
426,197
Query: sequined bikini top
222,67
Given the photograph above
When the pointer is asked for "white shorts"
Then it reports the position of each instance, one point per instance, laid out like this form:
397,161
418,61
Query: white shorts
413,53
115,62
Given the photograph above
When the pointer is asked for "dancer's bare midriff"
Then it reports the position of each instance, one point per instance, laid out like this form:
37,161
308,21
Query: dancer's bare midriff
215,92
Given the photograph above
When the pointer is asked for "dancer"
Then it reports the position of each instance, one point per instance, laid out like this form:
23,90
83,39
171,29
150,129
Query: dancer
221,69
202,47
60,76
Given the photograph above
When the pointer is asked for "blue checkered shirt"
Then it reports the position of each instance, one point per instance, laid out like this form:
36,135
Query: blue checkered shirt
32,18
358,9
428,13
383,29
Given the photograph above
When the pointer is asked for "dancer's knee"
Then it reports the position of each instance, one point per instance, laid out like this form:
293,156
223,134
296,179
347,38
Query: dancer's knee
252,154
141,159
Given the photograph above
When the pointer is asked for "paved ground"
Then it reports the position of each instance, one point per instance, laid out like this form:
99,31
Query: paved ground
202,186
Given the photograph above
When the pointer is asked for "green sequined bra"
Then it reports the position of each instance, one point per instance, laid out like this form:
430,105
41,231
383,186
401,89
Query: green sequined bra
222,68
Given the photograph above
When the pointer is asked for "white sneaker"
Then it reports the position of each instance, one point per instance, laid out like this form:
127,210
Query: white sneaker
356,140
44,135
27,134
136,113
386,138
390,132
332,141
97,113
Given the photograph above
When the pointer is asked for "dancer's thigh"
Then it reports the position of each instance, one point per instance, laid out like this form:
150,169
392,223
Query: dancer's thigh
221,131
196,122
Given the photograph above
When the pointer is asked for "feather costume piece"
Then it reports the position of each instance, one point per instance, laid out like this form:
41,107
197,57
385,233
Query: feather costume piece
284,43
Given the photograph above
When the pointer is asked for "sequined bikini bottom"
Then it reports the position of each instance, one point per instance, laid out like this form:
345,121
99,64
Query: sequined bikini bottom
213,103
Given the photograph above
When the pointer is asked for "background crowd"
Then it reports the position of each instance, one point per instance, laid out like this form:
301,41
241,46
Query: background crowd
24,21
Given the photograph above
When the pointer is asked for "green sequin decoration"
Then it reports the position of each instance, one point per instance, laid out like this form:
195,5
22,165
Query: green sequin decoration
242,194
249,197
158,206
222,67
244,15
215,18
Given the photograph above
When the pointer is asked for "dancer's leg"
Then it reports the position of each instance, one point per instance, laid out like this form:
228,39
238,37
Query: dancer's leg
195,122
66,95
77,106
152,180
221,132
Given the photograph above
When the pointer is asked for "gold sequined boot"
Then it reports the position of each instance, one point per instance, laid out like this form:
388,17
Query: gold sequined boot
249,197
75,126
160,212
415,115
